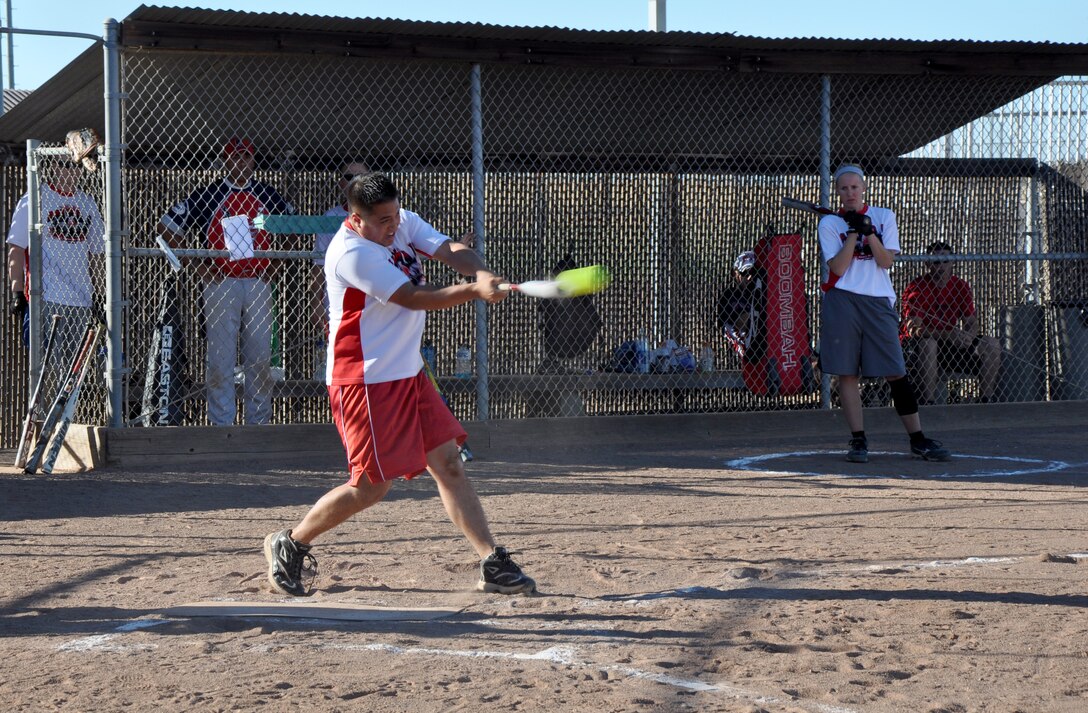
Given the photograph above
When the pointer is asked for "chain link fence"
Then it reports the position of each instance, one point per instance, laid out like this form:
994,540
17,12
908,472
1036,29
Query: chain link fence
653,177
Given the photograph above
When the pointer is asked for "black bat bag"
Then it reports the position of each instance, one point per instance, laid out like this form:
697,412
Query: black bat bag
166,382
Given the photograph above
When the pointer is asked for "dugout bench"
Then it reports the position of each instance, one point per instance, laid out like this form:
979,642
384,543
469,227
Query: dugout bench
556,395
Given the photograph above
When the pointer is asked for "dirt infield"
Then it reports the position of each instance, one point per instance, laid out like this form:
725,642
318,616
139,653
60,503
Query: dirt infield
736,567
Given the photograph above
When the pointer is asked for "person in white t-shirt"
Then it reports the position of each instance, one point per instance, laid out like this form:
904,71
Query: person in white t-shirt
73,267
391,420
859,325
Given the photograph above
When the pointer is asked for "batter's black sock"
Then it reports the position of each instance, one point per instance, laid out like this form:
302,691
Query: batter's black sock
857,434
916,438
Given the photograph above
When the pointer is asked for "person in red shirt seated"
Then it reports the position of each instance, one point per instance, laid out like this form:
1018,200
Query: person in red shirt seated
939,330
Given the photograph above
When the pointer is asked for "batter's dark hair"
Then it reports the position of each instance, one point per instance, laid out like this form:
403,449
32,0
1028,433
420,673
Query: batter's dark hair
370,189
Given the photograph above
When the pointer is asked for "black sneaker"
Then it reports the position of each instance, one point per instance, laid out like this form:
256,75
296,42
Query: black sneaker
930,449
287,560
499,573
859,451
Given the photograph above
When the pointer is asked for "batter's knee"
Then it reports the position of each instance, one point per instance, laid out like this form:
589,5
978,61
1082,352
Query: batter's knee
903,396
445,462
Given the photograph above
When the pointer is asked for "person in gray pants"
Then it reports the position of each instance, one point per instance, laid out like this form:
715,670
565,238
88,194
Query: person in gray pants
237,289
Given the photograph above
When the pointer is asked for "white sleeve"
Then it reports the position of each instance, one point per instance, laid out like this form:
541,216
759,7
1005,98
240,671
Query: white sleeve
19,233
829,231
423,236
365,270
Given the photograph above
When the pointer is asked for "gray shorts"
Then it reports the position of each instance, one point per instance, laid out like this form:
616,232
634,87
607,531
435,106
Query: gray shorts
859,336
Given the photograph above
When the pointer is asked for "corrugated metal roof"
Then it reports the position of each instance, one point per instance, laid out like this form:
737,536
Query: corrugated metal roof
476,30
13,97
73,97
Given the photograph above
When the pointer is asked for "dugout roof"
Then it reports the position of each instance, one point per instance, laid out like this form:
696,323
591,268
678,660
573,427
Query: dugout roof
950,71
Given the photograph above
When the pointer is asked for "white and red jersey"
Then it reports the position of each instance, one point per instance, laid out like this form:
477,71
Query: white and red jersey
372,340
72,231
863,276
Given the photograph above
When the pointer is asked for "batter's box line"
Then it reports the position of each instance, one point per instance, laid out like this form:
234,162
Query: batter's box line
721,591
567,656
754,464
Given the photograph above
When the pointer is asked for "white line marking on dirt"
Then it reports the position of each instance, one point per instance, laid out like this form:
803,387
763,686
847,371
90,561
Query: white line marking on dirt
565,655
640,599
101,642
754,463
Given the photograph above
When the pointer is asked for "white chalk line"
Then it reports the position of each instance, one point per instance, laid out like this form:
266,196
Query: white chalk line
567,656
105,642
683,592
753,463
561,655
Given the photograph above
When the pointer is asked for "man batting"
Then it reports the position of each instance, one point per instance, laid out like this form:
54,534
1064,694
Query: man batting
390,417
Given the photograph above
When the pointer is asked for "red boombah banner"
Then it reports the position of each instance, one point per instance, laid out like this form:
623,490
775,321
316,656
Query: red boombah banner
785,367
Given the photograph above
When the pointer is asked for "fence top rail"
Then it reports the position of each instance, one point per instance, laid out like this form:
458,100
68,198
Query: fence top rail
313,255
202,253
993,257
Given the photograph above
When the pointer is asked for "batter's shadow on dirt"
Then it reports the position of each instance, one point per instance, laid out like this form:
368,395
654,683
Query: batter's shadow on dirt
100,496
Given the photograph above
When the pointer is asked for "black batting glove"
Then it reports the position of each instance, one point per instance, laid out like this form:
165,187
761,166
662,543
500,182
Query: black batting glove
19,304
859,223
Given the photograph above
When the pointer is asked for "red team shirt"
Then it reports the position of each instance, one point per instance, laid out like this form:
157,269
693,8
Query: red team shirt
938,308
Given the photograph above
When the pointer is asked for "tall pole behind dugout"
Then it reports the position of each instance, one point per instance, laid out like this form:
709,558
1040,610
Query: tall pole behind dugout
657,15
115,381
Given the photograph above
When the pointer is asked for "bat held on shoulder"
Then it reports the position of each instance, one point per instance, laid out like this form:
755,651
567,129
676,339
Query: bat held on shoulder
807,206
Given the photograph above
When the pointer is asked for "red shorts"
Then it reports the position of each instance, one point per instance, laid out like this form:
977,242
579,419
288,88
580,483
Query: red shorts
389,428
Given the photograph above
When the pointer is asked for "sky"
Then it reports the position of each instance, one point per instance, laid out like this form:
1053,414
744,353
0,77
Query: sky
39,58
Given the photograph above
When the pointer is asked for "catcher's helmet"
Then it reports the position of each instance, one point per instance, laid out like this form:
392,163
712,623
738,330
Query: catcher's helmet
745,261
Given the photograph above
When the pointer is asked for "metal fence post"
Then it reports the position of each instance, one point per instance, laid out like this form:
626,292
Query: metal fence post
825,200
114,297
34,223
482,393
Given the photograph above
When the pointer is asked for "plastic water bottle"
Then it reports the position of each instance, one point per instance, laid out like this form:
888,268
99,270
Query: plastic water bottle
706,359
462,362
430,357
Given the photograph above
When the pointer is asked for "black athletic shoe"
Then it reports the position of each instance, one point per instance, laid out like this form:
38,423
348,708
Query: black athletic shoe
499,573
930,449
287,560
859,451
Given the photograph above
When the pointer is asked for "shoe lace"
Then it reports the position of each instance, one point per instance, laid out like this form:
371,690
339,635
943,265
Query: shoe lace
500,561
301,561
859,443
